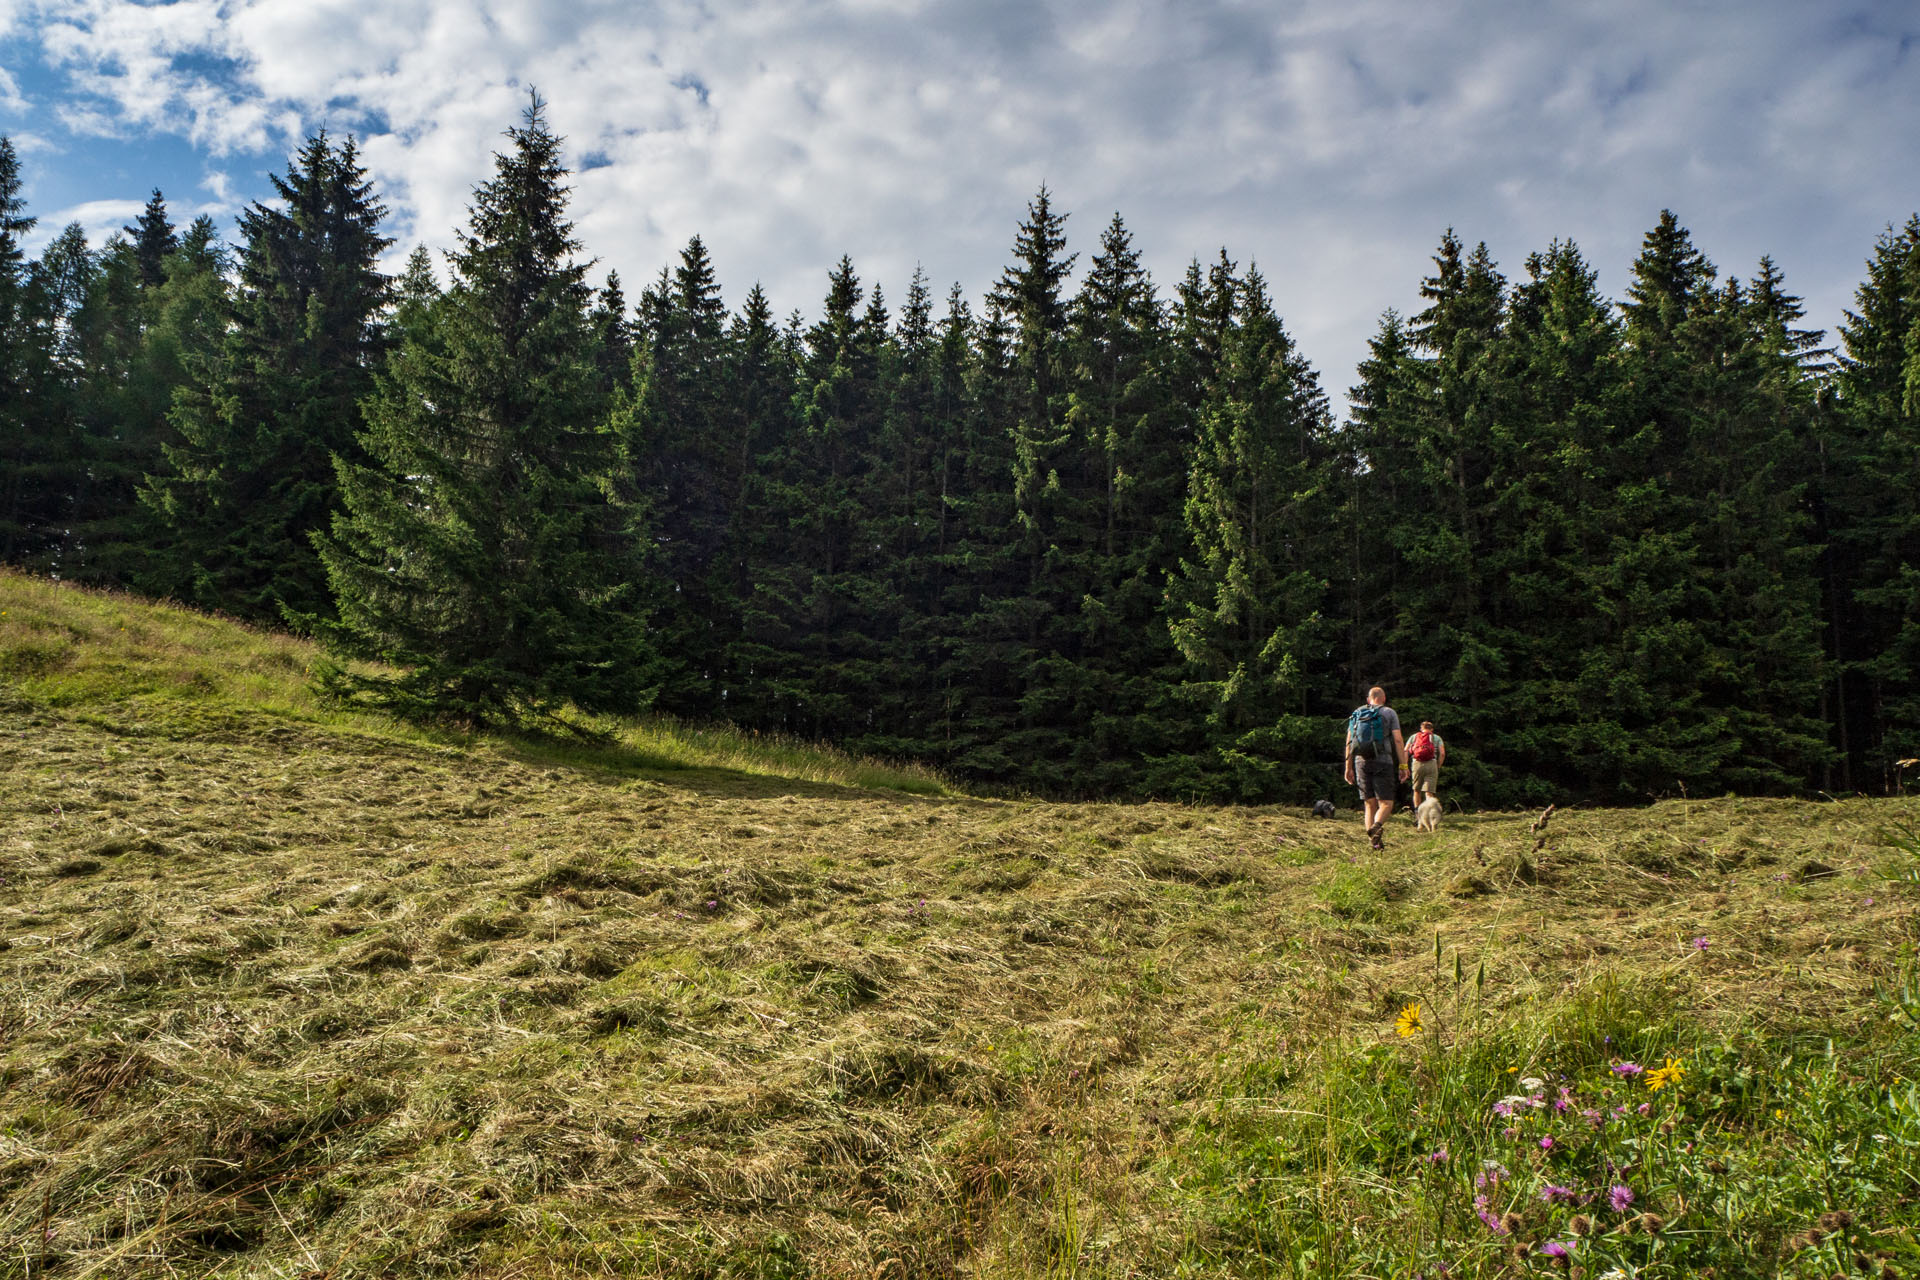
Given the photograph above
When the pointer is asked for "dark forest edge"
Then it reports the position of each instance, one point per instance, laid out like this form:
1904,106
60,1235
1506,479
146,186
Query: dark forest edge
1085,540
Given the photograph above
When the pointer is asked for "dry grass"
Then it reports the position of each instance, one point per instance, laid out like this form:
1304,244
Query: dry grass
286,994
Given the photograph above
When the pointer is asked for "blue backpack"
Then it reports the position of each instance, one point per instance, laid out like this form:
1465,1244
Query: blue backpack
1367,730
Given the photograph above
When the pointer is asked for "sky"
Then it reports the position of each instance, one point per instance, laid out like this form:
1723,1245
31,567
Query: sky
1330,144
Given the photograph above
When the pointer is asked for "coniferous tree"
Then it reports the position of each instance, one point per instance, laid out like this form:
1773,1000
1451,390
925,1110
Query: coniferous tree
1869,443
987,628
761,361
972,469
142,343
154,239
1031,294
901,531
683,439
1436,623
1548,529
1750,431
1125,483
251,477
813,579
31,439
1380,469
482,549
1722,605
1251,605
613,337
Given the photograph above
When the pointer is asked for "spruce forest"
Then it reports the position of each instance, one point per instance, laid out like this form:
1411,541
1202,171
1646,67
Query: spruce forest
1089,535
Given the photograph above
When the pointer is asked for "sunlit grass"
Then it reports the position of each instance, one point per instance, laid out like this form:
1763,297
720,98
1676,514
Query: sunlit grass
290,991
76,648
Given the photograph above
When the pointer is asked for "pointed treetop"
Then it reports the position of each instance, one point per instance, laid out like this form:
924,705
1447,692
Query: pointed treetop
153,239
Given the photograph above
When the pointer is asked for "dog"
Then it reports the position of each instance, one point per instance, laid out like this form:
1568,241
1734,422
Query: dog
1427,816
1323,808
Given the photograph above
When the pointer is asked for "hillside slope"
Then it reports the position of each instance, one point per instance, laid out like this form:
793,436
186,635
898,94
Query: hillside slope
284,993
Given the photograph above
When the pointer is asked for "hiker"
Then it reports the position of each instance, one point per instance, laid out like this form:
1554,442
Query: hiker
1376,760
1428,751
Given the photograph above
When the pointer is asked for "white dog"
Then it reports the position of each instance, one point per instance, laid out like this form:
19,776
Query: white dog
1427,816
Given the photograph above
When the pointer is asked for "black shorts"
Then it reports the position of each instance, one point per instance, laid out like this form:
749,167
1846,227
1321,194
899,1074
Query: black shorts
1377,779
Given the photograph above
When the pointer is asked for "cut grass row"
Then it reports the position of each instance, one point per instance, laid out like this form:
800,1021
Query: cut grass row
284,992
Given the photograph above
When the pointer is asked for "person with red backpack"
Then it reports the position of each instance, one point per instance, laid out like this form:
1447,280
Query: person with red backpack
1374,747
1427,752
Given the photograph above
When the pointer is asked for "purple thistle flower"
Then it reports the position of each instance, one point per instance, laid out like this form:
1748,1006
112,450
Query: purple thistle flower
1546,1144
1557,1251
1564,1102
1494,1224
1593,1117
1620,1198
1554,1194
1644,1108
1438,1157
1627,1070
1503,1109
1700,943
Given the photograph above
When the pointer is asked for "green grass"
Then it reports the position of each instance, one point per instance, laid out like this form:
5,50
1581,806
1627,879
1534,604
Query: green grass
290,992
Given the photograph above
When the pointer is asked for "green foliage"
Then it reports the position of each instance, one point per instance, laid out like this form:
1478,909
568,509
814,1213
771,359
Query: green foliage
250,478
1606,1132
484,548
1089,540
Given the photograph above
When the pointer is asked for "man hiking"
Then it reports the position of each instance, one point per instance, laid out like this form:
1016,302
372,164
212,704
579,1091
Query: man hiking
1428,751
1376,760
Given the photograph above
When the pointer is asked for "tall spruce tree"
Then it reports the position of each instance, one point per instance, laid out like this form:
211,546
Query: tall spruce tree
1380,467
1715,576
985,634
762,360
1251,604
45,461
1551,729
1125,481
901,529
31,438
482,550
682,436
813,576
154,240
1436,622
1031,294
251,477
143,343
613,337
1868,444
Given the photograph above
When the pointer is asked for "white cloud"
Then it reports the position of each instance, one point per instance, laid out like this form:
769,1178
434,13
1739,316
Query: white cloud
99,218
11,98
1331,144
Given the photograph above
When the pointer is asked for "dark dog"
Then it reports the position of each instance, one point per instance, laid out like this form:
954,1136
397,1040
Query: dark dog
1323,808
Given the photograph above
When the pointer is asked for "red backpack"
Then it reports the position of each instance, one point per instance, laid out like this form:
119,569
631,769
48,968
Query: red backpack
1423,747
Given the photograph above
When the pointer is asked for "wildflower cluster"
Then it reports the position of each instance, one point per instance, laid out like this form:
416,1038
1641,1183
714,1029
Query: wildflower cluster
1575,1163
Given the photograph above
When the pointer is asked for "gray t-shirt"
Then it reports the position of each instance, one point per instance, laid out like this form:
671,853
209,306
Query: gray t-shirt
1389,725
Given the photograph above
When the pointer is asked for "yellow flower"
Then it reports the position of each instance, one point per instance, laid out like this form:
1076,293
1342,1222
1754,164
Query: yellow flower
1778,1114
1408,1023
1660,1077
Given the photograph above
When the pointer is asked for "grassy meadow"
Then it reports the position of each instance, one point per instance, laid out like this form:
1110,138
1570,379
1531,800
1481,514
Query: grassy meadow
287,992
